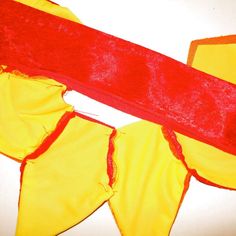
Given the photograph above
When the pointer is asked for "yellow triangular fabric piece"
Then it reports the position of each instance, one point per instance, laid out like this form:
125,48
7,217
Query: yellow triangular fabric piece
150,182
67,182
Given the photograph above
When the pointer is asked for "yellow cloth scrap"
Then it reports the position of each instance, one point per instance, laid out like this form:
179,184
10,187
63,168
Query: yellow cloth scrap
150,181
51,8
217,59
67,182
30,109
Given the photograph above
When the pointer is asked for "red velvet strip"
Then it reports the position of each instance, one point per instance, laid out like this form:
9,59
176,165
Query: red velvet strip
121,74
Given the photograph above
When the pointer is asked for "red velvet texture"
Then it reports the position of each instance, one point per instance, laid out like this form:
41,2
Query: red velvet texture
119,73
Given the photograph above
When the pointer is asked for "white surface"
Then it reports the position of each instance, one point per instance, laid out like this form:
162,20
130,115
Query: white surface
167,26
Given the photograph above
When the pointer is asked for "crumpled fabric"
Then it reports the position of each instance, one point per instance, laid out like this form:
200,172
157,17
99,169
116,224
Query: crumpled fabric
124,75
141,169
150,181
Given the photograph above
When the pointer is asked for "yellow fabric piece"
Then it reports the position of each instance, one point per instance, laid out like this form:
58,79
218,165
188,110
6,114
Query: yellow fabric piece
150,181
217,59
51,8
29,112
67,182
209,162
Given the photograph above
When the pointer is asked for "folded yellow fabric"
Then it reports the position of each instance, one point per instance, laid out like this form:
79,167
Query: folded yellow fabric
67,182
29,111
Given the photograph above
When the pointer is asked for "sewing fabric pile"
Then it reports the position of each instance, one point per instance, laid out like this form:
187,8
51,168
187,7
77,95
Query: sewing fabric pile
70,163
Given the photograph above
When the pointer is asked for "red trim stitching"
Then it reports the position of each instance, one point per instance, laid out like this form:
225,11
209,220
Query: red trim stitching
110,163
47,142
176,149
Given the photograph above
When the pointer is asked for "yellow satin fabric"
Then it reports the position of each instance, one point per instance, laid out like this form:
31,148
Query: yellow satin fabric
29,112
66,183
150,181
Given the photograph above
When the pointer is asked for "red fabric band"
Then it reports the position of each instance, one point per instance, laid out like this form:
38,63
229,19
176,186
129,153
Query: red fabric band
121,74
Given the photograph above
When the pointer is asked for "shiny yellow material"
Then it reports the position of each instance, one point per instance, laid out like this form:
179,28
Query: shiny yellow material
51,8
209,162
67,182
29,111
150,181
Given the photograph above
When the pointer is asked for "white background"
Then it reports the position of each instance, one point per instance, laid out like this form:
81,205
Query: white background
168,27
